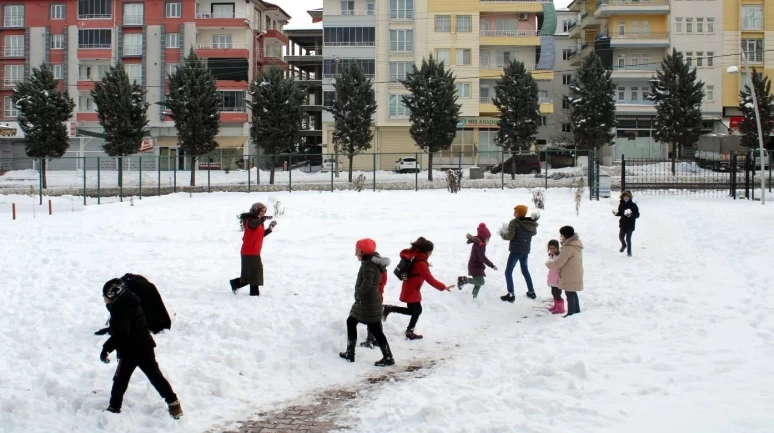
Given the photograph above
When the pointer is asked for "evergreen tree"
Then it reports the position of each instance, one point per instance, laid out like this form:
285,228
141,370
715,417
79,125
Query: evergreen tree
433,108
749,127
122,112
43,111
352,113
592,104
516,96
276,114
194,103
677,93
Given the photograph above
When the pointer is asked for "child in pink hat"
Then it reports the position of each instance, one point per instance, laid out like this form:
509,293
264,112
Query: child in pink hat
478,261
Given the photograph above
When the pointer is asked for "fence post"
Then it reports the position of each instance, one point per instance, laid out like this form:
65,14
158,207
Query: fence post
290,173
121,186
596,174
769,159
247,163
747,176
416,172
174,175
502,170
40,180
334,166
459,161
84,181
623,172
209,169
99,181
257,165
733,175
158,181
374,174
546,162
140,164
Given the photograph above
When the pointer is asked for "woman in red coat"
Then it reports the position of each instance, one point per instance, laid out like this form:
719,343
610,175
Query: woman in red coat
420,251
252,243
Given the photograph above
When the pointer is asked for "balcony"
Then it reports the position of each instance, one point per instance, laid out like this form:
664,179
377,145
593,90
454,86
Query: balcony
13,21
589,22
522,38
486,105
645,71
277,35
606,8
350,13
640,40
133,20
236,114
220,20
87,116
222,51
401,15
512,5
575,31
270,60
495,71
12,52
626,106
10,83
132,50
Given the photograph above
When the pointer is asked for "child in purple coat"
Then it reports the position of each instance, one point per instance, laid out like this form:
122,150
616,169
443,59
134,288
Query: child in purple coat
478,260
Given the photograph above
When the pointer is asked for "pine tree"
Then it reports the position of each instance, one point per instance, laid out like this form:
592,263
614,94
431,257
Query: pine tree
194,103
353,112
43,111
516,96
749,127
122,112
677,93
276,114
433,108
592,104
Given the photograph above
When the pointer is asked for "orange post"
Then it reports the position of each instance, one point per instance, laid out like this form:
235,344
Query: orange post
50,209
13,210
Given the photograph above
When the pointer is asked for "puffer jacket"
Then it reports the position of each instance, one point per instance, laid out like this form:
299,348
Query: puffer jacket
520,232
570,264
129,333
368,301
420,272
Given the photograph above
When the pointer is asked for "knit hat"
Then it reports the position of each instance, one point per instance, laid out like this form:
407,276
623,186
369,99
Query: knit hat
256,208
521,211
113,289
366,246
483,232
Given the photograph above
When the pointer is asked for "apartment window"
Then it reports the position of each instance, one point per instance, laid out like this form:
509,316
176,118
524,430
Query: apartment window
132,44
566,54
621,28
645,60
566,127
463,90
645,94
442,23
172,40
172,68
86,103
329,98
402,9
689,25
621,61
95,9
699,25
173,10
543,97
13,74
331,68
753,49
94,38
504,58
678,25
635,93
700,59
371,7
635,61
710,25
133,14
402,40
621,94
506,26
57,42
14,46
635,28
233,101
566,79
57,12
13,16
92,72
58,71
710,94
398,71
349,36
483,59
443,55
397,108
689,58
646,28
222,10
134,71
464,23
463,57
752,17
10,108
710,59
565,26
565,104
543,121
221,41
347,7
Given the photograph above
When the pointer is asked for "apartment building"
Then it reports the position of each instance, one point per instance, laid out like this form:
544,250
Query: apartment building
305,63
556,128
81,39
474,38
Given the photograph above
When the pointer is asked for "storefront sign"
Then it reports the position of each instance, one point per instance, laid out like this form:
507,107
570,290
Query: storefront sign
146,145
477,122
734,121
10,130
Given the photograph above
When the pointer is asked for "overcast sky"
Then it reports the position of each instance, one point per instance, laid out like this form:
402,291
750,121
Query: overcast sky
297,8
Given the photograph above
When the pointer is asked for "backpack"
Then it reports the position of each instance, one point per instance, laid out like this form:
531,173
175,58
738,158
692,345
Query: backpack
403,269
156,314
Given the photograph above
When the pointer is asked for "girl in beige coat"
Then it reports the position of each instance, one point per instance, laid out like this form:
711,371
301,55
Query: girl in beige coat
570,265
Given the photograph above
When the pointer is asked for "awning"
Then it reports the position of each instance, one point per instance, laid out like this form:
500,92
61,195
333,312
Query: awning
223,142
87,133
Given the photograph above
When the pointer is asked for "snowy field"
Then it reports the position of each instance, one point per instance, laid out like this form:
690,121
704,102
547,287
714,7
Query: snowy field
678,338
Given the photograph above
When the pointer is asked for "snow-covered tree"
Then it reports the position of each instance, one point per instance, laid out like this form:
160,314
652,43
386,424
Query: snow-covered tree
592,104
352,112
749,128
276,118
677,94
194,104
433,108
516,97
43,111
122,112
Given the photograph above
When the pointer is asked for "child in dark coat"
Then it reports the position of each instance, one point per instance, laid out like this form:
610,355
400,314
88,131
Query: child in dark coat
478,260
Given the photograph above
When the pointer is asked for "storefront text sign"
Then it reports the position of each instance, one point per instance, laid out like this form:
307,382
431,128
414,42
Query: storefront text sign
477,122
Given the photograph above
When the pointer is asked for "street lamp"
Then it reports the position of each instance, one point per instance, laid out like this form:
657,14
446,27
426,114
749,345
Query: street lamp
735,70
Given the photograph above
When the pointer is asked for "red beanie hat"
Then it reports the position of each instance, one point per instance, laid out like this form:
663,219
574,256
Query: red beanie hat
366,246
483,232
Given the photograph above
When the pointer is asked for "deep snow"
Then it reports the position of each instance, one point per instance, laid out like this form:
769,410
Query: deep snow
677,338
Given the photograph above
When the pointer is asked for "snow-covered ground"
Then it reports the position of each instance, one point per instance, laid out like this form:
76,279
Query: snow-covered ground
678,338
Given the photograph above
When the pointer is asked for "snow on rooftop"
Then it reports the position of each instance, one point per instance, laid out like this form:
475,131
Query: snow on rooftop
304,26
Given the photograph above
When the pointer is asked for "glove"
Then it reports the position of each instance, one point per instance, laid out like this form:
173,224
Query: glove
615,213
102,331
103,356
272,224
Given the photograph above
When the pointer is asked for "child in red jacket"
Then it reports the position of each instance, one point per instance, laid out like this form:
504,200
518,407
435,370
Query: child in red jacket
370,341
252,243
420,251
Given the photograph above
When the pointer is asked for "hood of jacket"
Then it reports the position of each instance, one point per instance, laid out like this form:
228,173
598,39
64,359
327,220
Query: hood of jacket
629,193
412,255
473,239
382,262
528,224
573,242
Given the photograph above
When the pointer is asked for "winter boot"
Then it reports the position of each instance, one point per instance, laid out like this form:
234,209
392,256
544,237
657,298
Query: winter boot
411,335
349,355
255,290
370,341
175,410
531,295
461,281
386,310
387,359
508,297
623,248
558,307
112,409
234,285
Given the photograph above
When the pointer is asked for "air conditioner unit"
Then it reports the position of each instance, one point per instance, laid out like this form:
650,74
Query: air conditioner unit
523,17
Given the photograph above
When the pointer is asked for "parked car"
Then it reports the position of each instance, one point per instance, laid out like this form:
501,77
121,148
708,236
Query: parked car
329,164
528,163
407,164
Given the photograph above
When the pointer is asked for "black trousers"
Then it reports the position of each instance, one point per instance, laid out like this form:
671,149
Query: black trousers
147,363
413,309
556,293
374,328
573,305
625,236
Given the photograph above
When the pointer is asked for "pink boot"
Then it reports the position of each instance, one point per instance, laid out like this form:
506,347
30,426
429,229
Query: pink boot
558,307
